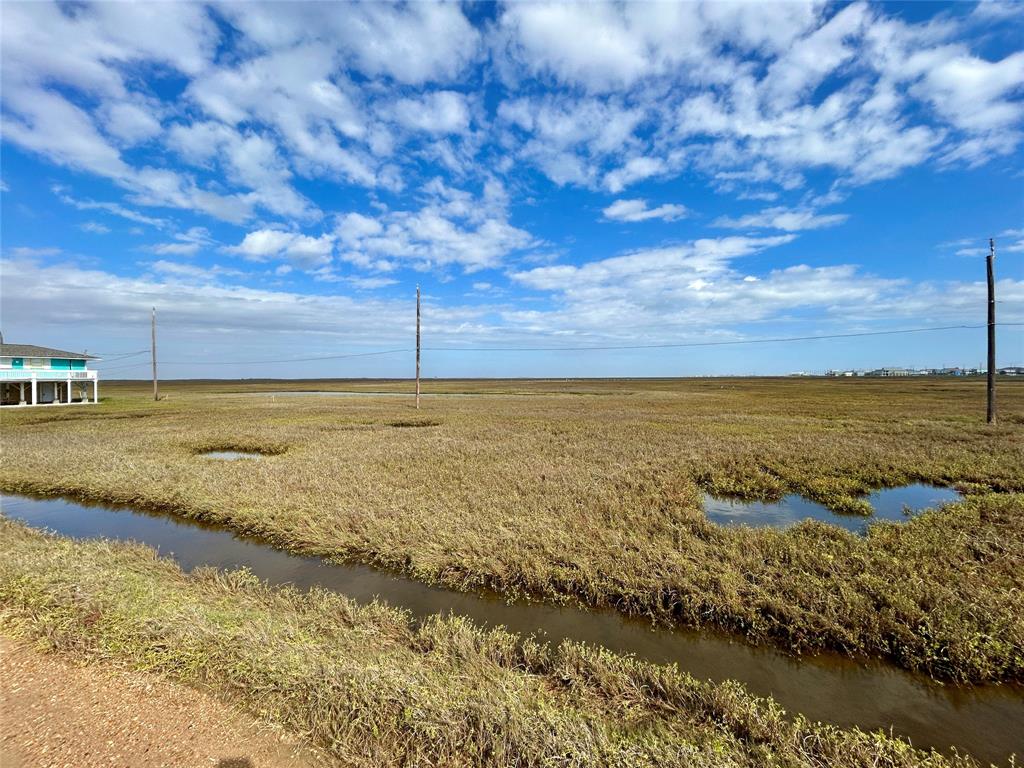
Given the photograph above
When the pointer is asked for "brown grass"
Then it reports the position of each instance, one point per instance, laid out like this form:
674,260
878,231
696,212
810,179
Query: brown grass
592,491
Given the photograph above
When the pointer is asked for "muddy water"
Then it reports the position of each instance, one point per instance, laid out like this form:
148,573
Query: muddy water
231,455
890,504
985,721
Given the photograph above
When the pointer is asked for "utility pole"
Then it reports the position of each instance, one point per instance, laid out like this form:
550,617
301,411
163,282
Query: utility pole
990,269
156,391
417,347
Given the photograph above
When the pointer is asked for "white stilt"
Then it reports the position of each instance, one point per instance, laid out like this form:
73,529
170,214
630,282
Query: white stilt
69,390
21,393
95,391
35,391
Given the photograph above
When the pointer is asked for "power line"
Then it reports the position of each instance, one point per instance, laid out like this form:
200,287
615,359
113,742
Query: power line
122,367
124,356
288,360
115,355
672,345
680,345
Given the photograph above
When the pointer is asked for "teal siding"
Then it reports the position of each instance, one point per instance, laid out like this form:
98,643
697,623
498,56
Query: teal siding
17,362
60,364
78,365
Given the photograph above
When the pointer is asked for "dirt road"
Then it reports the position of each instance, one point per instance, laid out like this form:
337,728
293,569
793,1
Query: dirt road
54,713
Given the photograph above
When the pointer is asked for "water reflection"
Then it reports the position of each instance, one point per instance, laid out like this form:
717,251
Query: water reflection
891,504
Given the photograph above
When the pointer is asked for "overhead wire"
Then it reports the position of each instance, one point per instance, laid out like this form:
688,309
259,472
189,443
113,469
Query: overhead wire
609,347
678,345
123,356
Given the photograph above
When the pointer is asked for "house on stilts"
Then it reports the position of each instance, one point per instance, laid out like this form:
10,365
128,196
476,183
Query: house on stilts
31,375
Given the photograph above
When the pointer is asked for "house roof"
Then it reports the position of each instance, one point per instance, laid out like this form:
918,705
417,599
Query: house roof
31,350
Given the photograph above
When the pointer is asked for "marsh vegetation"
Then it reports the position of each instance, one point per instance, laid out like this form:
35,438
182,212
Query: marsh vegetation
593,492
373,687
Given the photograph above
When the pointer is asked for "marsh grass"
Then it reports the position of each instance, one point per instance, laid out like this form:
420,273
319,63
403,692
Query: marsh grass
374,688
596,496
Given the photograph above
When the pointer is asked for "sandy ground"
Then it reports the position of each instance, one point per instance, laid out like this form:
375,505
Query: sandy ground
54,713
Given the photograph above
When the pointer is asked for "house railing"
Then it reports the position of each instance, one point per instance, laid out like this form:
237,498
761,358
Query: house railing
27,374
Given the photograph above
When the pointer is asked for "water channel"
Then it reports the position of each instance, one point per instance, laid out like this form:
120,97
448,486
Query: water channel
987,721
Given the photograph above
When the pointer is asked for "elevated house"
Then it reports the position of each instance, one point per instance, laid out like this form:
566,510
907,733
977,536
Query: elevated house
31,375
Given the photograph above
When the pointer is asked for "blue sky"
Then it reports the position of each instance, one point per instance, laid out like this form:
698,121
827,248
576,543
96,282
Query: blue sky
277,178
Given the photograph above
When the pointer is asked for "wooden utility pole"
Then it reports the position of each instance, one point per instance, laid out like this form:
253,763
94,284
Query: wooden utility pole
990,269
417,347
156,391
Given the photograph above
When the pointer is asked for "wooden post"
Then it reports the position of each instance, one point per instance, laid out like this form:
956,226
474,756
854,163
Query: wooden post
156,390
990,269
417,347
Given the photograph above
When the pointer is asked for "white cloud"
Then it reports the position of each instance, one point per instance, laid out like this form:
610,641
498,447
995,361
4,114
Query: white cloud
414,44
706,256
187,243
456,228
637,210
94,228
971,92
193,303
176,249
192,271
569,139
47,123
674,291
302,250
113,208
370,283
130,122
250,159
785,219
438,112
635,169
729,89
28,252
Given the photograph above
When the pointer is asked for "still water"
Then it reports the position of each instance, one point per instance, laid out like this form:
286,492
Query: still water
230,455
987,721
890,504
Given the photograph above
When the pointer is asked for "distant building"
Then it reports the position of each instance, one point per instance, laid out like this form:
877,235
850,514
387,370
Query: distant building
1011,370
888,372
31,375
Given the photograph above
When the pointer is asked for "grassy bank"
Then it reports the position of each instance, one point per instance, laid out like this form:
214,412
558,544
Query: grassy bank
375,689
593,491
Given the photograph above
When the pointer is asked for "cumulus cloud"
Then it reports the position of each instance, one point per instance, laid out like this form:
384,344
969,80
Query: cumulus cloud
455,228
637,210
437,112
363,93
302,250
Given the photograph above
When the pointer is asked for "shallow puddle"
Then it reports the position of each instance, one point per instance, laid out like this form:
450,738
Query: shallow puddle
984,721
891,504
231,455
